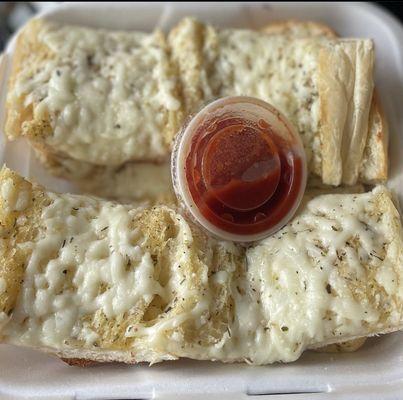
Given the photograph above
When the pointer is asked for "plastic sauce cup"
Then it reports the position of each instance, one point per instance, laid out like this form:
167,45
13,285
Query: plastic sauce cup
239,169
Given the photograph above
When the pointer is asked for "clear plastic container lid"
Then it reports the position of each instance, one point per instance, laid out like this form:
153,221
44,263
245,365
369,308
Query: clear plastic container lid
239,169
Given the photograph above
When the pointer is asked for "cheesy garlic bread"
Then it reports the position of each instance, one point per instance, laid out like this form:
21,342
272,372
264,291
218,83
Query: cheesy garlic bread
94,280
99,99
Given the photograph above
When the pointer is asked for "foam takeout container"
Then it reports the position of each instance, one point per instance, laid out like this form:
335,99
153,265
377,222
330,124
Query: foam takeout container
374,372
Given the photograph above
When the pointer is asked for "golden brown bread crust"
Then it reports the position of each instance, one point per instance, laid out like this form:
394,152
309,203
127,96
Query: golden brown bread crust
345,89
190,67
333,115
28,50
13,259
80,362
377,140
174,118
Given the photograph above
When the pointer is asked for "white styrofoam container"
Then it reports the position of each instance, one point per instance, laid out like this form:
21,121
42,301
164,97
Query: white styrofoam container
374,372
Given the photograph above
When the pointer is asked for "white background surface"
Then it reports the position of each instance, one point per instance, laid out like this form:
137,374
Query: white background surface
374,372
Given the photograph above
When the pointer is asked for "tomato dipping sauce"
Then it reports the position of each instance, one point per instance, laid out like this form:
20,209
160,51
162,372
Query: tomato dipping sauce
239,169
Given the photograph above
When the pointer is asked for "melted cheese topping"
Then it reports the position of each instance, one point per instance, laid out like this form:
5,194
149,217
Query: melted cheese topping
108,94
87,258
104,277
52,303
325,275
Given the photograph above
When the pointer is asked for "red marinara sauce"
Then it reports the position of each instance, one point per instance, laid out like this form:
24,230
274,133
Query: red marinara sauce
239,169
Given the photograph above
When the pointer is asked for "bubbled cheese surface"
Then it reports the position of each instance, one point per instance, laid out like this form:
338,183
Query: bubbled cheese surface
107,94
104,277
